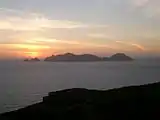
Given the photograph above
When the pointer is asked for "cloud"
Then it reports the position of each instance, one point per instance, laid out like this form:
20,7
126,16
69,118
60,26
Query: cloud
140,47
149,8
35,23
97,35
23,21
60,43
17,20
140,3
50,41
109,35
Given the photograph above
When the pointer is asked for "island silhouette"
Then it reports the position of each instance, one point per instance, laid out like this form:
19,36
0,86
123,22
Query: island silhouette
70,57
32,60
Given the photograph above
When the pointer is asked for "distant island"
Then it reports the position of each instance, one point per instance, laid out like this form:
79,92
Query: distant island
120,57
32,60
70,57
128,103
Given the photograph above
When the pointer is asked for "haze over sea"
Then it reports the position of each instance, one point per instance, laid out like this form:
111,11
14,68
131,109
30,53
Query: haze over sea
25,83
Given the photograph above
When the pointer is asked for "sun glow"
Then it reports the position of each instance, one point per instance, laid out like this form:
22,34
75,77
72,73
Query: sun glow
27,50
32,51
32,47
32,54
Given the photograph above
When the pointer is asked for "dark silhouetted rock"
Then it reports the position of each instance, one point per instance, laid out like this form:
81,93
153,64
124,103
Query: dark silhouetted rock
72,57
32,60
26,60
120,57
69,57
35,59
128,103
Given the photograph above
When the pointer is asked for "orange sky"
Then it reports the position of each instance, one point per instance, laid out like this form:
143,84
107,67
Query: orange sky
32,49
97,28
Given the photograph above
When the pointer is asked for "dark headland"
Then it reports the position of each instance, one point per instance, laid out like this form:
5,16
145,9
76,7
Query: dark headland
69,57
128,103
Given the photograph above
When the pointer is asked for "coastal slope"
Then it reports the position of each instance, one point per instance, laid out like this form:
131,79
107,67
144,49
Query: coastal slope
131,103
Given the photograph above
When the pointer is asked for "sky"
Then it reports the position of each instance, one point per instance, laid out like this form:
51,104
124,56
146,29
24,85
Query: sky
40,28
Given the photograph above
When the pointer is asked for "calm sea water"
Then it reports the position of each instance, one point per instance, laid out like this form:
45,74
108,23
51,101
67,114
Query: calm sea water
23,83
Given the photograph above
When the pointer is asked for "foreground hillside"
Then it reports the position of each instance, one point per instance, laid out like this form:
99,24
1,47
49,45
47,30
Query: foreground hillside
131,103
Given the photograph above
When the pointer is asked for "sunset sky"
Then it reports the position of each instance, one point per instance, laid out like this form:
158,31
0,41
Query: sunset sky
39,28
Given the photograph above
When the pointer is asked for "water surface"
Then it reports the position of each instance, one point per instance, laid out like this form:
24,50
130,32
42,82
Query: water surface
23,83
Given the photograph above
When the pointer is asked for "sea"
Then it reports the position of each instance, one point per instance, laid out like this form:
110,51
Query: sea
26,83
